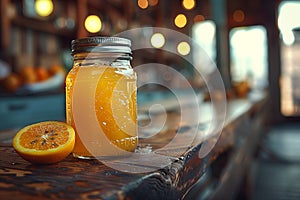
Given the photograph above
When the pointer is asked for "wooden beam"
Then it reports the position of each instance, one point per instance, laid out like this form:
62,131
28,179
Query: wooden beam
5,24
219,15
81,15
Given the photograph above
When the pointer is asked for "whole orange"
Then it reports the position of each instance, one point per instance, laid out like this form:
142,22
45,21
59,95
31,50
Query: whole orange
28,74
41,73
12,82
56,69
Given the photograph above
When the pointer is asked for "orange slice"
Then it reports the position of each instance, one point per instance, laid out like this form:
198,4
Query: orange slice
45,142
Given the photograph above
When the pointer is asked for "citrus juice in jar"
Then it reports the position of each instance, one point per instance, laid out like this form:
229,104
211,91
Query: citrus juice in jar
101,98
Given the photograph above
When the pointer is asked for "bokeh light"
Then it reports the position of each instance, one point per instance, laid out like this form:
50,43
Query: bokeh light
183,48
93,24
188,4
238,15
143,4
43,7
158,40
153,2
180,20
199,18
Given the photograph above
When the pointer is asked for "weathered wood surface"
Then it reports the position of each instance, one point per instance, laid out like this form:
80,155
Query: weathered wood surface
90,179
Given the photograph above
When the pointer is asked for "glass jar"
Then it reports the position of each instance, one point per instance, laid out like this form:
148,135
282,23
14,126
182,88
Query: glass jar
101,97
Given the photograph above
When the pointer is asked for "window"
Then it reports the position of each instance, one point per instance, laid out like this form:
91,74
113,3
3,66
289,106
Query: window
204,49
248,56
204,33
289,27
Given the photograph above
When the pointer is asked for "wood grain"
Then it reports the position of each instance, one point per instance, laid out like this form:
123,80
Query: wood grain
90,179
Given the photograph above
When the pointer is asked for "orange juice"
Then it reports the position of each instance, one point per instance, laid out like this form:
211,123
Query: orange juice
101,106
115,106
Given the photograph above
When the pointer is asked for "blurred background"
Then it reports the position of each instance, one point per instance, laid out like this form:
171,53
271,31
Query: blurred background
255,45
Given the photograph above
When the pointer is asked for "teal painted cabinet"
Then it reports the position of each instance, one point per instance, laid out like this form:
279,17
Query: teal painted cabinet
18,111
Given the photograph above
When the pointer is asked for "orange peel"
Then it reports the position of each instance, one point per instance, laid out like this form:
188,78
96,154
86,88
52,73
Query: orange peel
45,142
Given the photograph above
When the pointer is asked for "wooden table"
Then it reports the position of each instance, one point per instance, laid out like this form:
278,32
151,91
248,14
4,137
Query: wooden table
182,177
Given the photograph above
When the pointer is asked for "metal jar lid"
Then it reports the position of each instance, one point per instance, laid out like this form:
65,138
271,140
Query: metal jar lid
101,44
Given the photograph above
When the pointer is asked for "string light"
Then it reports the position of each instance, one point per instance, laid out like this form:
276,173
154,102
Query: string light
153,2
158,40
238,16
93,24
188,4
183,48
199,18
43,7
180,20
143,4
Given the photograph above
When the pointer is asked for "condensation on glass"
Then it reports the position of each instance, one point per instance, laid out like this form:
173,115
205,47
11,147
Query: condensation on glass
101,97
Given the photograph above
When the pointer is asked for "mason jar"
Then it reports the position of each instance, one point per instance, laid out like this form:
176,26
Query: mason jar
101,97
